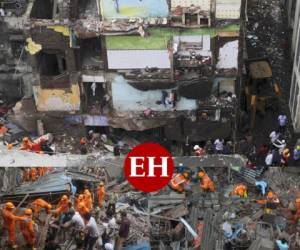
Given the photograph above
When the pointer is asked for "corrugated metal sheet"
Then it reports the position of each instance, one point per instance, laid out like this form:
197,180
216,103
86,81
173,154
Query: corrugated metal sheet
204,4
228,9
138,59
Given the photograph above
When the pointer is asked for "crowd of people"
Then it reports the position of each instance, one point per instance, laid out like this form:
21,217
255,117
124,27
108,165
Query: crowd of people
72,215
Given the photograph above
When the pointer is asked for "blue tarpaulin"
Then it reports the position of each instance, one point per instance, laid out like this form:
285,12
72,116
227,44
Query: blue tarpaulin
141,246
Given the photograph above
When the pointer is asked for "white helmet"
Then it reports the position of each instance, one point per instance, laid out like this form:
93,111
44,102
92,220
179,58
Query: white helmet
196,147
180,164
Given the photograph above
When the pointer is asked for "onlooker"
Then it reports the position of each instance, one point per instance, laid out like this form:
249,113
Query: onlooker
219,146
282,119
92,232
123,231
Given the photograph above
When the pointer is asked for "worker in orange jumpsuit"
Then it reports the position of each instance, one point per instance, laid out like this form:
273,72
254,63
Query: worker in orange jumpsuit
33,174
271,198
63,205
88,201
41,171
82,209
27,229
26,175
206,183
178,181
101,194
78,200
9,223
240,190
297,205
28,145
39,204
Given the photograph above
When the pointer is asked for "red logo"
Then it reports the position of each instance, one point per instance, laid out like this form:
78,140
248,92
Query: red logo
149,167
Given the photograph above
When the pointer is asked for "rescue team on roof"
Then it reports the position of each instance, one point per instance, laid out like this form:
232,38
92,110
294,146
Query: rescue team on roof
74,215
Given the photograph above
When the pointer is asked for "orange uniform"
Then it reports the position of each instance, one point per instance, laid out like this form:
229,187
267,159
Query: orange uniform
88,201
3,130
41,171
240,190
101,195
9,223
297,204
26,175
177,182
33,174
82,209
38,204
206,182
79,200
28,145
27,229
63,205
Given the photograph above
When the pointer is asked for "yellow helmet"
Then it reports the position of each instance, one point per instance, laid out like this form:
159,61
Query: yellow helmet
9,205
201,174
298,147
28,211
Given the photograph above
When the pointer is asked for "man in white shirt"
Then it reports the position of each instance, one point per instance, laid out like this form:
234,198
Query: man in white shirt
269,159
274,136
92,232
219,146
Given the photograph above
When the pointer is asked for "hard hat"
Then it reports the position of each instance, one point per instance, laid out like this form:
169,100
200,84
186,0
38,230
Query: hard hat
283,141
9,146
185,174
270,194
180,164
286,151
64,198
9,205
201,174
83,141
298,147
196,147
49,206
80,197
86,191
28,211
101,183
25,139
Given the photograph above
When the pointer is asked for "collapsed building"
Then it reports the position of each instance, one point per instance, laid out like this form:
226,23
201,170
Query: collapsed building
170,67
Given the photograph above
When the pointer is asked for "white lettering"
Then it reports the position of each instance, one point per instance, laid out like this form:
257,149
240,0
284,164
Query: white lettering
163,166
134,166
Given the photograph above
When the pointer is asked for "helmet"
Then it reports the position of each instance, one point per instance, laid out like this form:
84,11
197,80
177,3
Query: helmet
286,151
201,174
101,183
28,211
25,139
64,198
9,146
196,147
186,174
80,197
49,206
180,164
298,147
270,194
86,191
83,141
9,205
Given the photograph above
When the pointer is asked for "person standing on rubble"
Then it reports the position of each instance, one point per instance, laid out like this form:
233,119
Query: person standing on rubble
285,156
9,223
111,207
92,232
101,194
123,231
83,146
87,199
27,229
206,183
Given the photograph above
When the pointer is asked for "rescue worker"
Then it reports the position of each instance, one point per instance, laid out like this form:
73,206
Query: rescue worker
3,130
272,197
39,204
206,183
27,229
26,175
82,209
83,147
63,205
79,200
285,156
178,181
28,145
88,201
262,186
240,190
9,223
33,174
101,194
199,151
111,207
297,206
